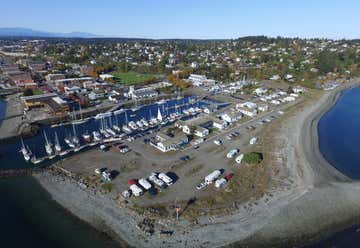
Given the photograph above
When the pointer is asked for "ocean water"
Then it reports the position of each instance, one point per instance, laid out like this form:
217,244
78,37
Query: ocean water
339,134
2,110
28,216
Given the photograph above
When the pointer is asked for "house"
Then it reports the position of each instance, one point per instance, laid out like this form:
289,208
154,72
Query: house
275,102
73,89
289,99
220,124
166,143
209,109
298,89
263,108
201,132
247,111
96,94
146,92
52,77
106,76
197,80
275,77
249,105
22,79
194,65
260,91
57,105
231,117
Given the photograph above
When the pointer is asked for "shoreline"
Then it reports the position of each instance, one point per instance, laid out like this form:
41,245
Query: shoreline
314,177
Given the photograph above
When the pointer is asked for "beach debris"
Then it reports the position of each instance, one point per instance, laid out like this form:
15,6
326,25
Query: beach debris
147,226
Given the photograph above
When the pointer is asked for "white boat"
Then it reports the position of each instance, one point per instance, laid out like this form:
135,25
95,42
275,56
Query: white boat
125,127
162,101
81,120
140,124
133,125
110,131
63,153
86,137
116,128
119,111
104,133
144,122
75,138
103,115
69,142
58,147
96,135
48,145
35,160
159,116
25,151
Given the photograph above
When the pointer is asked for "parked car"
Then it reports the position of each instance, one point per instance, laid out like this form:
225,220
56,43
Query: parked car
220,182
123,148
232,153
200,186
229,176
185,158
99,170
218,142
126,193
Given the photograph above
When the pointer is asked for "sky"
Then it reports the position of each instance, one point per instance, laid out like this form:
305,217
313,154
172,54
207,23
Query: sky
200,19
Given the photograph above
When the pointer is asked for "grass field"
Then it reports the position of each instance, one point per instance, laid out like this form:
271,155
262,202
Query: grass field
37,92
132,77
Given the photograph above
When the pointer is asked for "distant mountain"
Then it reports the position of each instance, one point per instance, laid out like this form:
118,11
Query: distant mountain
27,32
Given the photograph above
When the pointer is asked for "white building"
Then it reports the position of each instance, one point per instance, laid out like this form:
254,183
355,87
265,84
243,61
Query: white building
275,102
197,80
201,132
260,91
231,117
106,76
166,143
248,112
249,105
263,108
220,124
298,89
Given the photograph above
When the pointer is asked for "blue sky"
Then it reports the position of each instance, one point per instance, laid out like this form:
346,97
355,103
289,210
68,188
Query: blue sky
188,19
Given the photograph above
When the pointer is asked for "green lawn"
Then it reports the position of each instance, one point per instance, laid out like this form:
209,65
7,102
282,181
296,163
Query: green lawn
132,77
37,92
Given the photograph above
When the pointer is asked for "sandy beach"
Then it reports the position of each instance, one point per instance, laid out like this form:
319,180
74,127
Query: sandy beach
311,197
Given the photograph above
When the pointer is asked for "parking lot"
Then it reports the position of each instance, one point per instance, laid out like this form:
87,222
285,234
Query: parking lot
143,159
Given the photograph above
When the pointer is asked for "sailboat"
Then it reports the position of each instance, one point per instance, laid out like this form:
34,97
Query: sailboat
152,121
81,120
75,138
116,126
86,136
125,127
109,129
96,135
48,145
102,128
25,151
58,147
159,116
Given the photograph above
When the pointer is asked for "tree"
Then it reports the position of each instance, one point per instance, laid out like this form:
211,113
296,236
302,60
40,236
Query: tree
28,92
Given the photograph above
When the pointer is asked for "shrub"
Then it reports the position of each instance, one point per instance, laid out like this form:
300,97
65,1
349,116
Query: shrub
252,158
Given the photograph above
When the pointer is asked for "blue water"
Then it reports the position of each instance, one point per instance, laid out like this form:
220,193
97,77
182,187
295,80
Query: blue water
2,110
11,158
339,134
28,215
